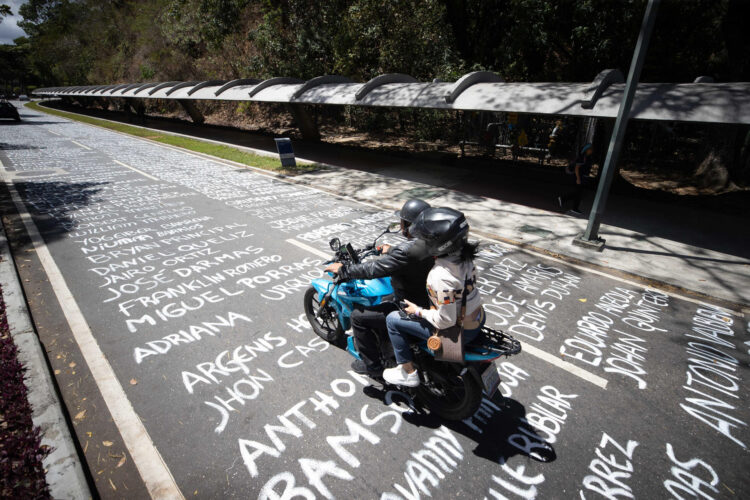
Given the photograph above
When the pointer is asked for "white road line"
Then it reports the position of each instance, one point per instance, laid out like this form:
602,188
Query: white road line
309,248
79,144
52,132
568,367
136,170
149,462
530,349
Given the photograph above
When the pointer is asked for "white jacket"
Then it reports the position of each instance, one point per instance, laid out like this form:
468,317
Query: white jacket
445,286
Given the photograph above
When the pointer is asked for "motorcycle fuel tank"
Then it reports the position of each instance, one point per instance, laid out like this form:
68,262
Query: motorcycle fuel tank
378,287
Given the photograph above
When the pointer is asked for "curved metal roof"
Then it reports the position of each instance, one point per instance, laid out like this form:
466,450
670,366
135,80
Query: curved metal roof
478,91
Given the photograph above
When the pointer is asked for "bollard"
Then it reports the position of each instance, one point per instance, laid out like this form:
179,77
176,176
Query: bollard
286,153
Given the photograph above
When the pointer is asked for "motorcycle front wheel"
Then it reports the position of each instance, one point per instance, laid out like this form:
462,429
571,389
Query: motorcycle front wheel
450,395
327,326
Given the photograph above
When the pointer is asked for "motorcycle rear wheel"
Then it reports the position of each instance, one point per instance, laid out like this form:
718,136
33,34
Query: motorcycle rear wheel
450,395
327,326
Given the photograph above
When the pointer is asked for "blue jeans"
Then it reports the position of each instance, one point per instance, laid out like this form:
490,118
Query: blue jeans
399,330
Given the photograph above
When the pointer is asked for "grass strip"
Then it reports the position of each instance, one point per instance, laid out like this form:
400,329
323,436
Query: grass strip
218,150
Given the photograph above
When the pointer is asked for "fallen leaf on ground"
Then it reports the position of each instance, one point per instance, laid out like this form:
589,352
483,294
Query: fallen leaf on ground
107,443
72,364
582,300
80,415
57,372
113,485
122,461
133,381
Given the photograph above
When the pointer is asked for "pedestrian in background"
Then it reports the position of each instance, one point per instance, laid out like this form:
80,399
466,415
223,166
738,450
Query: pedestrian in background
578,171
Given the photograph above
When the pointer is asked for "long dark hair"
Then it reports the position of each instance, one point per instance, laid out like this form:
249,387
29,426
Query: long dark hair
469,251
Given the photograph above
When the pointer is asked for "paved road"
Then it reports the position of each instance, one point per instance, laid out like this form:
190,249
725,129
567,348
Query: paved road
181,280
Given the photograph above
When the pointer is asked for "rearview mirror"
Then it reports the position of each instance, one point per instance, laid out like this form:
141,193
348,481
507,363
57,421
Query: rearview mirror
335,244
394,227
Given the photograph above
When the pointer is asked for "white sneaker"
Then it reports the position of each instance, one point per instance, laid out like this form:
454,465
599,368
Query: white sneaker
398,376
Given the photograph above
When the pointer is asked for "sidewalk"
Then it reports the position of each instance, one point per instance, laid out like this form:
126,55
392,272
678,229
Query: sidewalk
676,243
64,473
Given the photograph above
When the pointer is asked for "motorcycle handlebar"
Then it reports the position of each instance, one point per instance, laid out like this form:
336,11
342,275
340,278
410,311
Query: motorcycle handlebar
361,253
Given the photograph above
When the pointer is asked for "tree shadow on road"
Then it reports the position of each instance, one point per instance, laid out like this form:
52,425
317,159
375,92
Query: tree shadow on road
4,146
52,203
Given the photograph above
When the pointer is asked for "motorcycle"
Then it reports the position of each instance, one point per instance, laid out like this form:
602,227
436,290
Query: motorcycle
452,391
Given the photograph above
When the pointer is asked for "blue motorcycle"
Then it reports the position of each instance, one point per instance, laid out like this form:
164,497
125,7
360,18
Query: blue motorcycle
452,391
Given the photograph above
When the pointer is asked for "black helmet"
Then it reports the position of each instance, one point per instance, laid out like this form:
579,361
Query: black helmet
443,229
411,210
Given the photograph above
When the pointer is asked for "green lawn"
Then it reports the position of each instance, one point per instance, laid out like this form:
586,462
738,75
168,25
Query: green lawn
197,145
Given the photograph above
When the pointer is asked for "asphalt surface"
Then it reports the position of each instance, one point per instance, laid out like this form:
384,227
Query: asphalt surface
189,275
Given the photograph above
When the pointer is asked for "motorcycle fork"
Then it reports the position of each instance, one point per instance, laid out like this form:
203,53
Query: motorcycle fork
324,302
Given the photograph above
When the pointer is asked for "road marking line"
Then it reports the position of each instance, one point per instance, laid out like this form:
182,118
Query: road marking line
79,144
568,367
136,170
239,166
309,248
530,349
149,462
53,132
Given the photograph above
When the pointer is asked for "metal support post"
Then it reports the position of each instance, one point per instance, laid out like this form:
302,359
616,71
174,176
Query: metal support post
590,238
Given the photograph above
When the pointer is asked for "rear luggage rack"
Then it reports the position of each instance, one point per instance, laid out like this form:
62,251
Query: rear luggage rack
499,342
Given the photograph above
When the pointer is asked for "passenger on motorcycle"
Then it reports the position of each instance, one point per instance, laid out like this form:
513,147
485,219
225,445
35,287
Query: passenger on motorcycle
407,264
445,233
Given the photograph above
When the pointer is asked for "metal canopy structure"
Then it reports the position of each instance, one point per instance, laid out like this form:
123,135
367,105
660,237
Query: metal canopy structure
478,91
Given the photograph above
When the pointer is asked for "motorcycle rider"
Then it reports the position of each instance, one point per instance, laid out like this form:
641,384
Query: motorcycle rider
445,233
407,264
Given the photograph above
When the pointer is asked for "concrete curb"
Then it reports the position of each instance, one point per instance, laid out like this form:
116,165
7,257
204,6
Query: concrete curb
65,474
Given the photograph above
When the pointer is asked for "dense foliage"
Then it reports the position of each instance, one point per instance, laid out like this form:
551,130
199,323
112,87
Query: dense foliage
21,469
102,41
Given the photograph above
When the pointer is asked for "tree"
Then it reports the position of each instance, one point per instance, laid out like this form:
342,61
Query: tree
5,11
